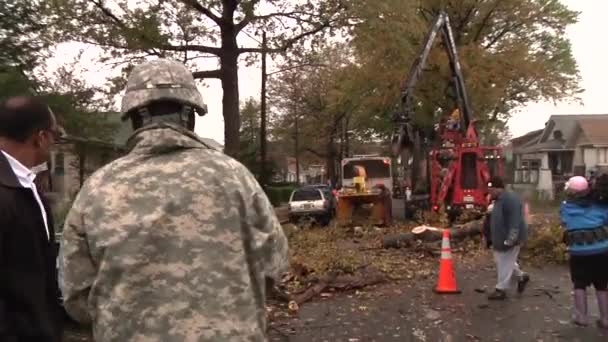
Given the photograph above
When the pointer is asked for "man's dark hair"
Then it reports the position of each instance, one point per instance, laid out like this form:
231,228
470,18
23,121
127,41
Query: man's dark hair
600,187
21,116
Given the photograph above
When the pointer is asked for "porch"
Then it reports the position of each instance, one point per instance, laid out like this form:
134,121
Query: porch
542,174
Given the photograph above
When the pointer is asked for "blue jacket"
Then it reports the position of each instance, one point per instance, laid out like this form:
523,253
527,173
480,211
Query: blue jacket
580,215
507,221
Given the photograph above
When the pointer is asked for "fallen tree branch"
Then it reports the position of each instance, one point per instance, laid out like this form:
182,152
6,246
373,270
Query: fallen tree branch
336,282
347,283
315,289
406,240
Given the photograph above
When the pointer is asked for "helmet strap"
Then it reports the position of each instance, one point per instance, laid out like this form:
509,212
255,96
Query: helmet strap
145,116
184,115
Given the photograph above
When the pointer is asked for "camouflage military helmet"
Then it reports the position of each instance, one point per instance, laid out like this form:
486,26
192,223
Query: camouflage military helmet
161,79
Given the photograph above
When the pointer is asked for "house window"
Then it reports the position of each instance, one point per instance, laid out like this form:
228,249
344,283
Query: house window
560,163
602,155
530,164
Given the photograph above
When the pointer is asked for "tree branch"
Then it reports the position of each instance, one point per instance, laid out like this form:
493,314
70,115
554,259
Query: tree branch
289,42
106,11
207,74
199,48
484,22
502,34
462,23
249,16
316,153
291,15
298,66
207,12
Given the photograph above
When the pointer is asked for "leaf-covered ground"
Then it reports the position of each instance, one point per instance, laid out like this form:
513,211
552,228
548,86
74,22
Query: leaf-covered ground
316,251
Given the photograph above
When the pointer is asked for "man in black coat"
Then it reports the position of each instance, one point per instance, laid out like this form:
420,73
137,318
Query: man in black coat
29,306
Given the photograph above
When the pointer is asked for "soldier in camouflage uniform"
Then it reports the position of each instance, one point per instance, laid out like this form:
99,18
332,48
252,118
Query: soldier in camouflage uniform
174,241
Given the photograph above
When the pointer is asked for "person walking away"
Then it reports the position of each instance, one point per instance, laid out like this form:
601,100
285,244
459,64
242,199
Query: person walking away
586,234
30,310
508,231
175,240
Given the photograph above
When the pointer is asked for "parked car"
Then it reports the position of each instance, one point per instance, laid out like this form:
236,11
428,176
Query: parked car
328,192
310,203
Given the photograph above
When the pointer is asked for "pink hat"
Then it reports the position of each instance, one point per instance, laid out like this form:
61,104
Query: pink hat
577,184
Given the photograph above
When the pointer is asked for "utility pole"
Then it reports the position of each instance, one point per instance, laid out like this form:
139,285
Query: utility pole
263,169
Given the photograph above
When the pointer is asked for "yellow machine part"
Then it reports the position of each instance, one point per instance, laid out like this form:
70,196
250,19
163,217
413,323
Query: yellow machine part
359,183
380,213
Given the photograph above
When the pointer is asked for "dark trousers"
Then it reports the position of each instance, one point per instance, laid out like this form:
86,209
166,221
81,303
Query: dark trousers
587,270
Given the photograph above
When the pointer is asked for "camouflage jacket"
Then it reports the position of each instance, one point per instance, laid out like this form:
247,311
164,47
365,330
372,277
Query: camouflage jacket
171,243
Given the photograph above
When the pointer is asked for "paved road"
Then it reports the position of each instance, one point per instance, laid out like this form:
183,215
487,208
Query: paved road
412,312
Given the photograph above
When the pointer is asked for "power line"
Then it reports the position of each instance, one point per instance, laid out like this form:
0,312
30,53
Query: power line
252,37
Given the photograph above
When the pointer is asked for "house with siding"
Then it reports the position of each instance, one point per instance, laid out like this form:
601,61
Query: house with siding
568,145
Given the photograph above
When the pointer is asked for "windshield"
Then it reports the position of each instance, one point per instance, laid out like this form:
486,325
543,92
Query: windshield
306,195
325,189
375,168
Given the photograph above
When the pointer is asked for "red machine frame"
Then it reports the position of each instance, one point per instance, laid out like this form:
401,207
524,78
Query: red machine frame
458,167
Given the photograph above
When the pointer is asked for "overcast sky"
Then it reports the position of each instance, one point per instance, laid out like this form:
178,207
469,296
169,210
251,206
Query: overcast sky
590,53
588,50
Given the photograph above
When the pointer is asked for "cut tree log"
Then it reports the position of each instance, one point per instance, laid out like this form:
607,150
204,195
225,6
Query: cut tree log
406,240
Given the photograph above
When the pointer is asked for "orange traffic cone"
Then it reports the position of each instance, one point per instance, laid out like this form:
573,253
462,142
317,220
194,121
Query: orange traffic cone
447,277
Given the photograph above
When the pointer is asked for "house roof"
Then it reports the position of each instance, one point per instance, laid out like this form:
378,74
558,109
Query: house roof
571,126
593,132
523,142
526,137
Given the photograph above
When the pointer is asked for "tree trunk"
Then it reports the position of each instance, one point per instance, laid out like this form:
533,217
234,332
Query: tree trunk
346,138
230,86
470,229
342,140
81,166
263,162
331,159
297,147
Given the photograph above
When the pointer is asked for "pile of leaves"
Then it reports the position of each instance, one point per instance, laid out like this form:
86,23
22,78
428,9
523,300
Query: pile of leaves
545,241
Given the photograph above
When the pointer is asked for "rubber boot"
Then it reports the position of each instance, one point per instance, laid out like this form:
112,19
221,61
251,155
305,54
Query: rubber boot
580,307
602,303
